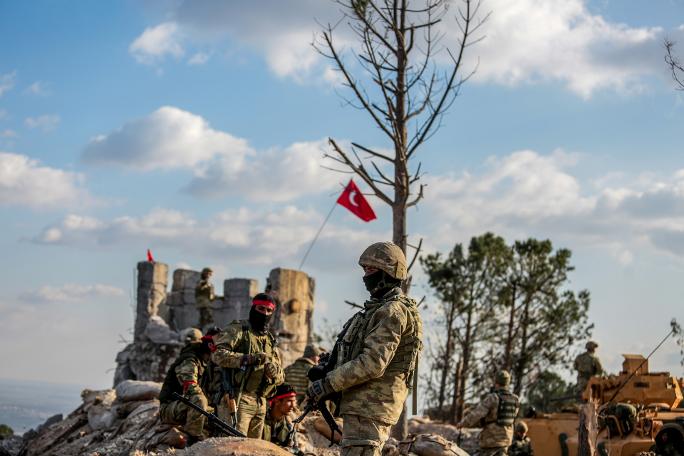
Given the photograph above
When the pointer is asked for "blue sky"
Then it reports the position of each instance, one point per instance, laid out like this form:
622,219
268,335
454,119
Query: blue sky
197,129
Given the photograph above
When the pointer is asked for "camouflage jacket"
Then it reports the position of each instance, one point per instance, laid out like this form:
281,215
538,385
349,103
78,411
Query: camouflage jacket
377,356
238,339
204,293
484,415
184,375
587,365
521,447
295,376
278,431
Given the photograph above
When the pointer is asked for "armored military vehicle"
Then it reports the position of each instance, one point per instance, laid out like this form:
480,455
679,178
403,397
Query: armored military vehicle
638,412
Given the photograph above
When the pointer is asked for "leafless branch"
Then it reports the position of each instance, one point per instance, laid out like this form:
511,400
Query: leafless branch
675,66
416,254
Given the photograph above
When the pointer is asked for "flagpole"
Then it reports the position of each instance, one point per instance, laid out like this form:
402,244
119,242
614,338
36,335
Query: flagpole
317,234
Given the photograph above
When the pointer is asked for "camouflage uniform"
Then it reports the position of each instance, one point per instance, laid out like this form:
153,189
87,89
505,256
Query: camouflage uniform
495,414
250,383
587,365
278,432
204,294
376,359
184,377
295,375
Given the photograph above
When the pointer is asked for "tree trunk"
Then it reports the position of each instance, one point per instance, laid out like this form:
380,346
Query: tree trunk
455,416
466,349
447,357
520,364
508,362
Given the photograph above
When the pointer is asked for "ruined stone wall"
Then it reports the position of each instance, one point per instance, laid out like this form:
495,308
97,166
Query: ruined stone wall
295,293
162,317
151,292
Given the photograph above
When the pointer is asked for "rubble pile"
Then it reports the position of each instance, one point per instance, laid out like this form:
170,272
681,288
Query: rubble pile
125,422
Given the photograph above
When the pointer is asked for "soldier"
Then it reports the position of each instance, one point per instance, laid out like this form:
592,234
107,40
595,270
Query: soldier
587,365
295,373
521,446
277,428
184,377
376,354
496,415
247,350
204,294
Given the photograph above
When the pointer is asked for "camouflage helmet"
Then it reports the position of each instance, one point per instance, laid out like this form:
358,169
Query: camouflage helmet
206,271
502,378
591,345
521,427
192,335
387,257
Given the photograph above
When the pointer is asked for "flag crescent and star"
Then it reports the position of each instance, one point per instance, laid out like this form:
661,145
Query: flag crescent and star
352,199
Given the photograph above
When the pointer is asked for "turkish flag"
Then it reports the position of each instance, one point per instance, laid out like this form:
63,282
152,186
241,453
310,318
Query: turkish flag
150,258
352,199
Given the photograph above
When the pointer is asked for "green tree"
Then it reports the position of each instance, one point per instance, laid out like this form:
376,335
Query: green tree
543,320
550,393
467,285
5,432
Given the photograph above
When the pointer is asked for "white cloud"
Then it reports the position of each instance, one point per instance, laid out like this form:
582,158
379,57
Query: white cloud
561,40
221,164
259,237
528,194
7,133
7,82
168,138
157,42
274,175
25,182
200,58
46,122
38,88
71,292
527,41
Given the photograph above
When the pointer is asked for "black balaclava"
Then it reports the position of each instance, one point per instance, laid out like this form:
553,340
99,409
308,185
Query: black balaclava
258,320
379,283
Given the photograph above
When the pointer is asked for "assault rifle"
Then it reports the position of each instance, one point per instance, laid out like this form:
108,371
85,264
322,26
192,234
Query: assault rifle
213,419
325,365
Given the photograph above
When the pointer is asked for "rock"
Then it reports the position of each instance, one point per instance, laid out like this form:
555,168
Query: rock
133,390
100,417
233,446
158,331
430,445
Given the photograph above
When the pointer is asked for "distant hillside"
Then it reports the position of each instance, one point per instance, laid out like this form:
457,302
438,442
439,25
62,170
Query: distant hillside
26,404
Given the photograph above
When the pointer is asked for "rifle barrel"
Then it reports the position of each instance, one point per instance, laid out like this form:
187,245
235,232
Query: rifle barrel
225,427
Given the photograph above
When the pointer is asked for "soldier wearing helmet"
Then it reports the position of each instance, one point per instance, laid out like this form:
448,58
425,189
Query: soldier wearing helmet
204,294
375,355
495,414
521,446
587,365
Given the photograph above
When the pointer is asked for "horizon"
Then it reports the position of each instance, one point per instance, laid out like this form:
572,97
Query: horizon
198,129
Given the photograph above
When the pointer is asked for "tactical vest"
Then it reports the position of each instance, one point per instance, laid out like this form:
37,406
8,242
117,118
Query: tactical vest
241,376
171,383
405,357
508,408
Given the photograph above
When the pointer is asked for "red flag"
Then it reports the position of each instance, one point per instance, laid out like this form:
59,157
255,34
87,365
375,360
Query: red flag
150,258
353,199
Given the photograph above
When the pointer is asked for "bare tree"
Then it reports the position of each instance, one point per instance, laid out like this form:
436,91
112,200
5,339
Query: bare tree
676,67
399,84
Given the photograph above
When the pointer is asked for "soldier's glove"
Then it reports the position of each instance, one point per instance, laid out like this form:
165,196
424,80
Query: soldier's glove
270,371
253,359
320,389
